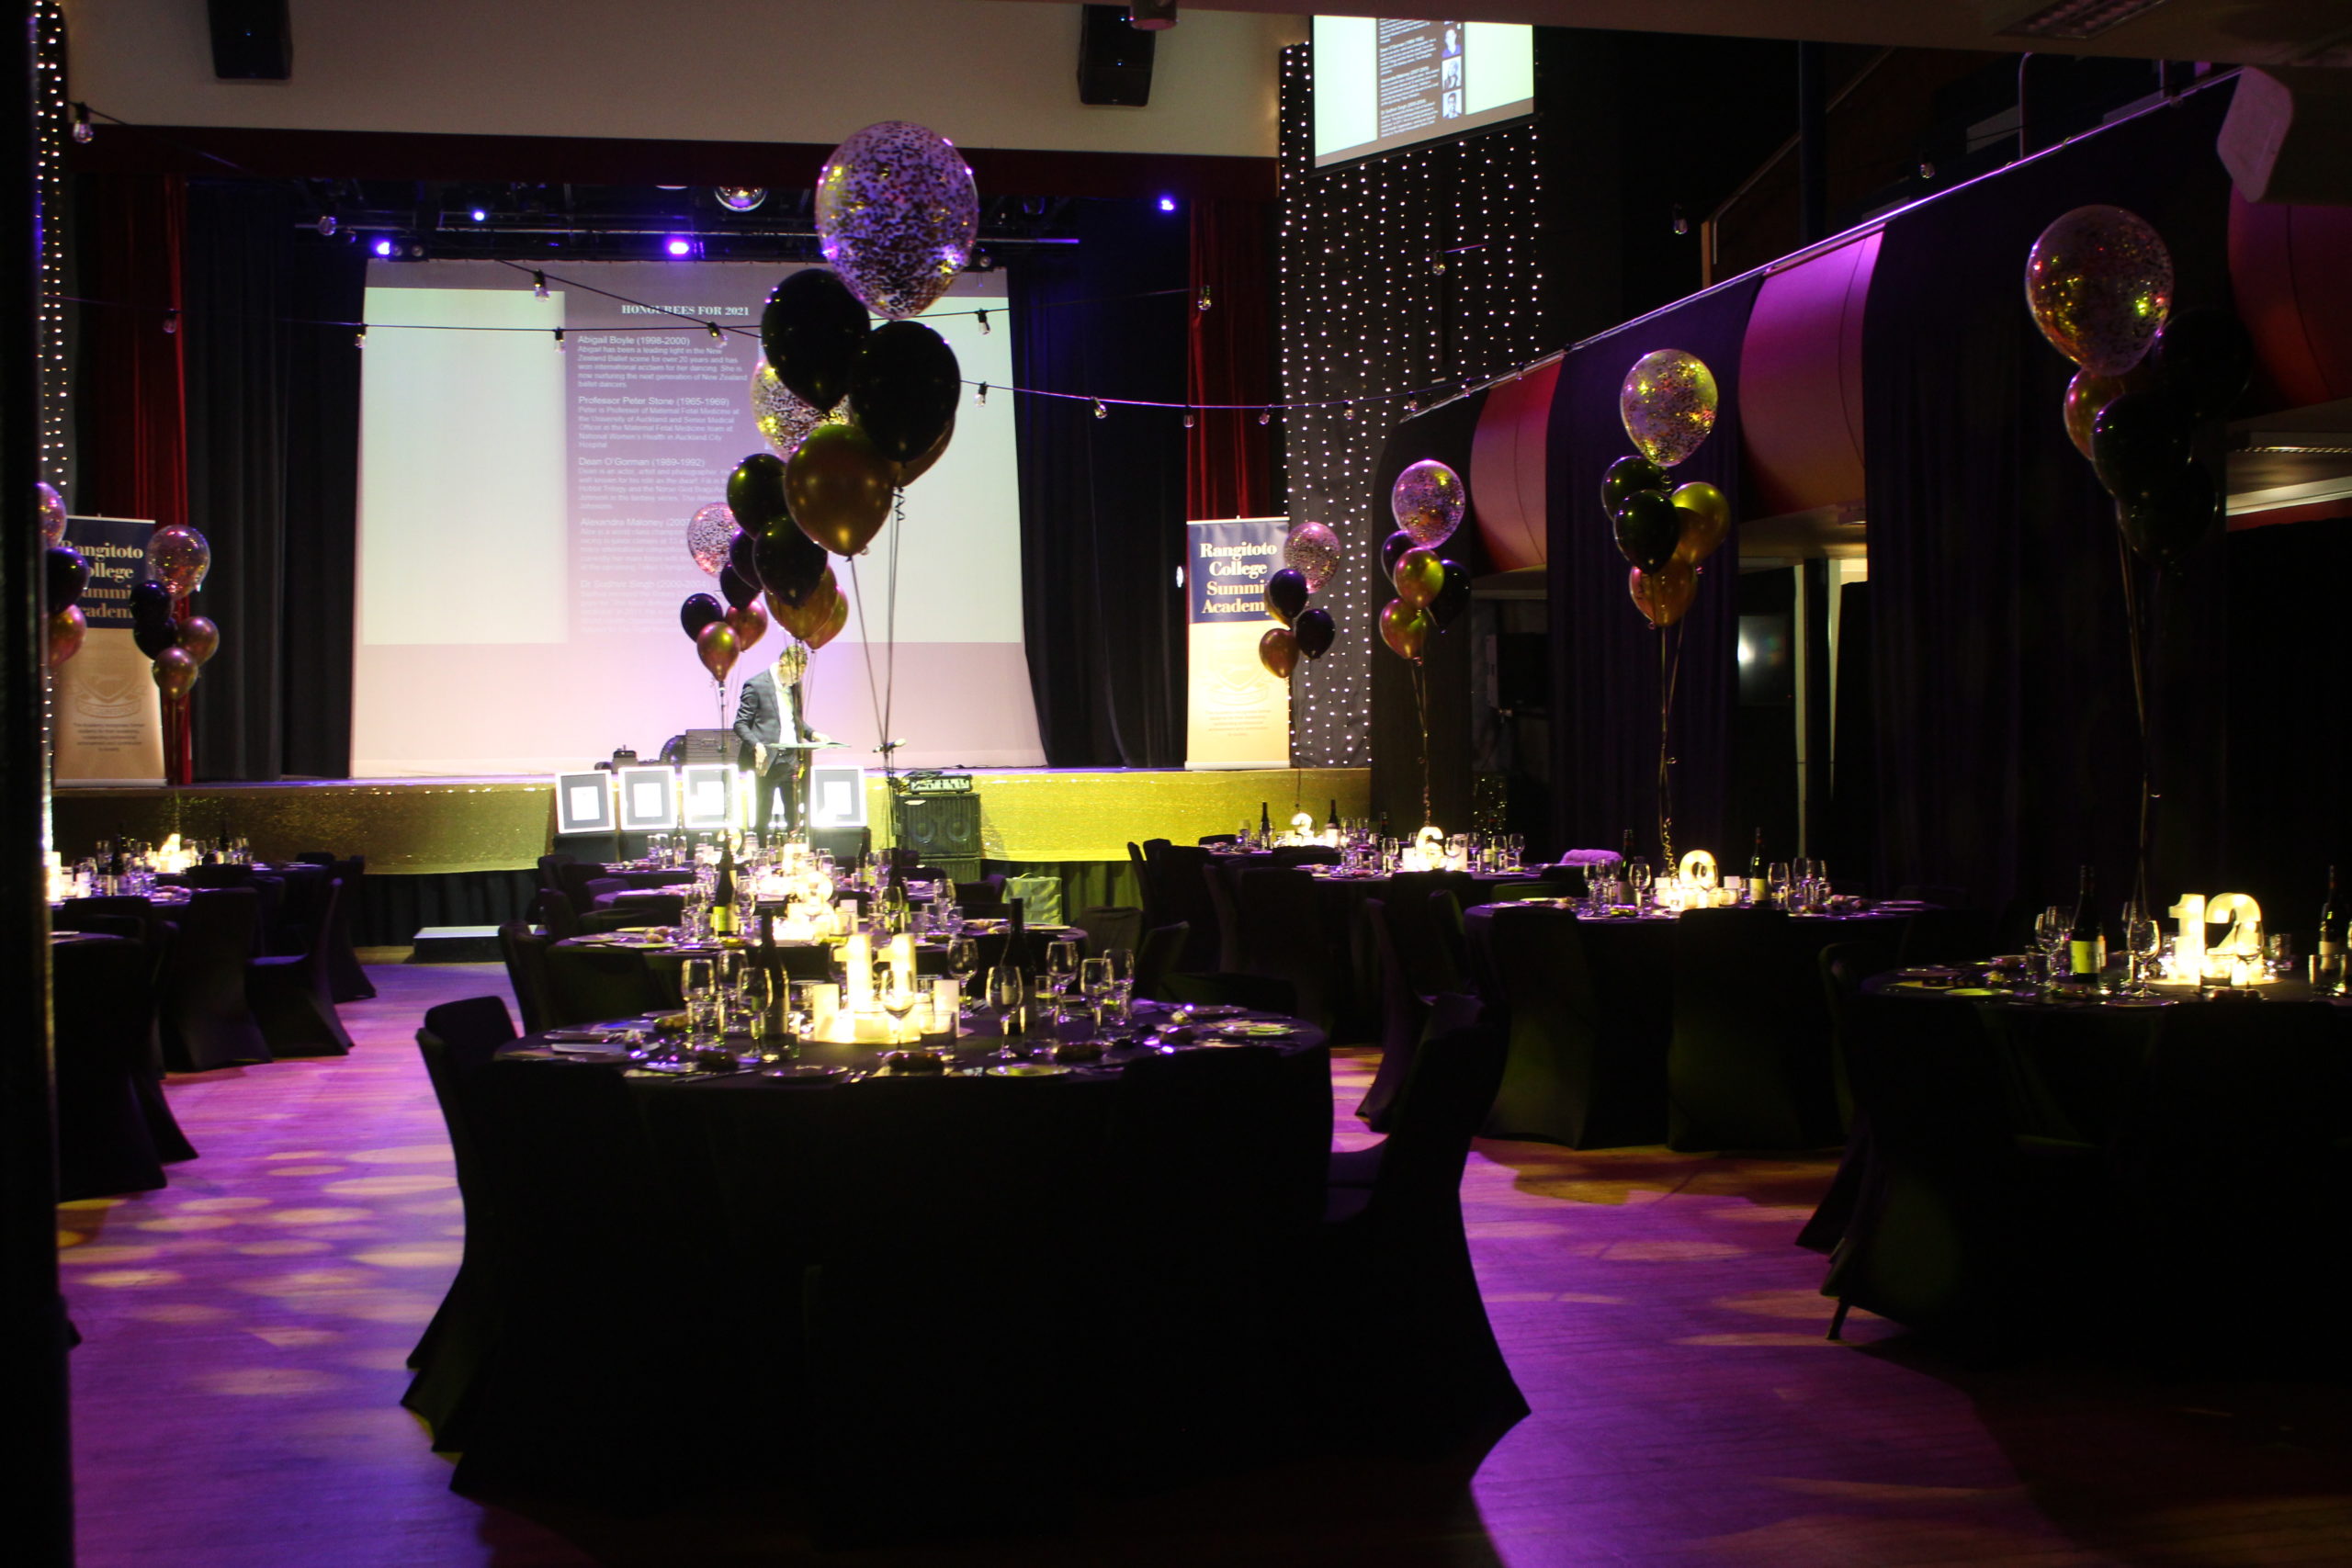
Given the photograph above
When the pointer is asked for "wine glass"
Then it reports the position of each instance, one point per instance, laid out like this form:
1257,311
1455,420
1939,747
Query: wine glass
896,989
1007,992
2050,929
1776,884
2143,939
755,994
1640,878
1094,980
1061,969
963,962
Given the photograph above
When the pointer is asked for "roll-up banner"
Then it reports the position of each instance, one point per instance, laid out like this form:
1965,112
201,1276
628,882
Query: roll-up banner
107,714
1237,716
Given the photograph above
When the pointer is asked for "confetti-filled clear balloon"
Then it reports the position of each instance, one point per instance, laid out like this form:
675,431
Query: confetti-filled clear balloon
784,420
1669,404
741,198
2098,282
1428,501
896,212
52,514
710,535
1313,551
178,558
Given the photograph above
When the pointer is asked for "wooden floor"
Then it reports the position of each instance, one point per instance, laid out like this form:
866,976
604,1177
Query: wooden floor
236,1397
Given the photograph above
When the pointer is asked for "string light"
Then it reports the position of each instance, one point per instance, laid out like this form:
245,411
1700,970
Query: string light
1265,416
1203,302
53,118
359,338
981,397
716,335
1100,412
171,321
83,130
1188,419
539,285
984,329
559,339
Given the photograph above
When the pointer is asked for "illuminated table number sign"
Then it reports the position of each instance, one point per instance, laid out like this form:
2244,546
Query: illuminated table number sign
1698,869
583,802
649,799
707,796
2238,950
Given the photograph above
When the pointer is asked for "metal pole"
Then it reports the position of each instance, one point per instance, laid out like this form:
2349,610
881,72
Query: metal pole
38,1490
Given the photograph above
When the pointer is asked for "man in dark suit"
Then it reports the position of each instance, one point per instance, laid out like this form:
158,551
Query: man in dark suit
768,722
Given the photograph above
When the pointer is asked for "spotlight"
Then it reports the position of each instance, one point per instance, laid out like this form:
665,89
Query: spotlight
1167,204
382,247
679,245
481,214
740,198
328,224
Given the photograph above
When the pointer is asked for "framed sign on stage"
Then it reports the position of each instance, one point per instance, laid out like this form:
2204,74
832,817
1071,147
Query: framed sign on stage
583,802
107,715
707,796
649,799
836,797
1235,715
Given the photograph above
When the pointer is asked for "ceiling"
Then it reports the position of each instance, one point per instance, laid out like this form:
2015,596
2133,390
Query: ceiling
2259,32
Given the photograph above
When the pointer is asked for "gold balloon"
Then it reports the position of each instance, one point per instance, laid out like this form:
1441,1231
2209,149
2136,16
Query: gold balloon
1419,575
1278,652
715,646
1669,404
749,623
178,558
2098,282
836,617
174,672
201,638
1706,519
837,486
1663,595
66,629
802,620
907,473
2085,395
1404,628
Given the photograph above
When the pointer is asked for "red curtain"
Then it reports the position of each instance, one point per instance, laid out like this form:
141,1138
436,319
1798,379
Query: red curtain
1228,467
131,383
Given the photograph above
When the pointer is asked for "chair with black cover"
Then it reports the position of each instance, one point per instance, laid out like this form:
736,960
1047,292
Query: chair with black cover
1952,935
219,876
526,953
291,997
1111,925
1575,1075
1406,1356
346,978
1843,967
589,984
1155,959
458,1039
1445,925
1748,1064
1404,1013
1431,955
1180,871
633,914
1955,1222
551,871
1279,935
983,899
557,915
1146,888
1209,841
105,1002
208,1021
1217,882
1507,892
301,909
598,888
1304,854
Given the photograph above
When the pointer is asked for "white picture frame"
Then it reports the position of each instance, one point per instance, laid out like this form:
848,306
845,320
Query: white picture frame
649,799
707,796
836,797
583,802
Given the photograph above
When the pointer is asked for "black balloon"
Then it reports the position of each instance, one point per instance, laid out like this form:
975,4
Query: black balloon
1312,631
791,564
697,612
742,555
905,388
1393,549
810,331
68,574
1453,598
1648,527
2174,517
735,589
755,492
2204,357
1287,593
1627,474
149,601
154,637
2140,443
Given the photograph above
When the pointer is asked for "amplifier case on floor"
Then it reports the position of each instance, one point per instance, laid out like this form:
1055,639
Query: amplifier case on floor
944,828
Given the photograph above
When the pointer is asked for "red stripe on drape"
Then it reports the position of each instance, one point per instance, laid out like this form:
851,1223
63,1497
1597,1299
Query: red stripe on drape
132,383
1230,359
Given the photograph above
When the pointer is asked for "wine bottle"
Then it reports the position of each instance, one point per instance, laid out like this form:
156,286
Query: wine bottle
1265,824
722,892
2086,948
1017,958
1756,858
2330,923
1331,822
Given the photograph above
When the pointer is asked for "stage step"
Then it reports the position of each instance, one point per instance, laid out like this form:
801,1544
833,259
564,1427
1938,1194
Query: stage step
456,945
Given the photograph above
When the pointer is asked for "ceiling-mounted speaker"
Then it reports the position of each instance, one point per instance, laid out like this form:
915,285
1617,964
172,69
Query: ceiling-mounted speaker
253,40
1113,59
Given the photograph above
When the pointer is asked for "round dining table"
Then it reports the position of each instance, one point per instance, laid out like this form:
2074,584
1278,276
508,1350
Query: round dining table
666,958
907,1290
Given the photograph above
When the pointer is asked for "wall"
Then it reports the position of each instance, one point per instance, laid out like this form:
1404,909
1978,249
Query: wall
987,76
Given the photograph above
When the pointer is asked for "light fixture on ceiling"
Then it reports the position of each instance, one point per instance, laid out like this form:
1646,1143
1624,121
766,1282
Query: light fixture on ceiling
2071,20
1151,16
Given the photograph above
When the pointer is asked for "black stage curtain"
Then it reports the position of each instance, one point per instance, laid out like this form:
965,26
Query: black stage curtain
273,459
2007,747
1102,500
1605,657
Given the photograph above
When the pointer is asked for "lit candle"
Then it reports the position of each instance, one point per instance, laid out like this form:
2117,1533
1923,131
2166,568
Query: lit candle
902,960
2190,945
857,958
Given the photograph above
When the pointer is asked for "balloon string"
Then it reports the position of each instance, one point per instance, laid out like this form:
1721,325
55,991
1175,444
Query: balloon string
2140,705
1421,708
873,693
1670,675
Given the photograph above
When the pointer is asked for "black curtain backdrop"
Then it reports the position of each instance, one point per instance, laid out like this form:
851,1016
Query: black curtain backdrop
1102,500
273,459
2007,749
1605,668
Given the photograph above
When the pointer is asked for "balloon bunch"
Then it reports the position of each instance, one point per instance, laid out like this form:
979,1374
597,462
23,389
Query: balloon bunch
2099,284
1310,554
179,643
64,576
1426,502
1668,403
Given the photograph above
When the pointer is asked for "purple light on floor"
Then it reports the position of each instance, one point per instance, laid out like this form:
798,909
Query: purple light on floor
384,247
1167,204
678,246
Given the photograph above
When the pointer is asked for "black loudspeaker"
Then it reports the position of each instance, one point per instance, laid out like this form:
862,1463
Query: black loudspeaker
1113,59
944,829
253,40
